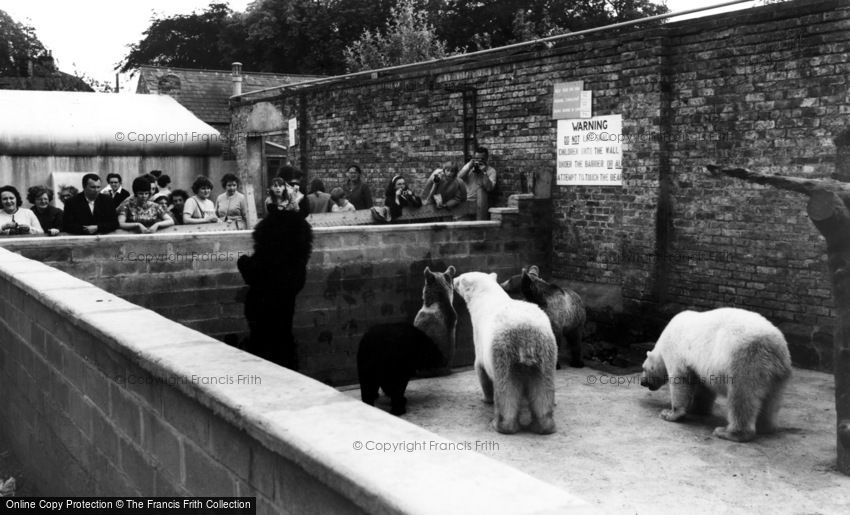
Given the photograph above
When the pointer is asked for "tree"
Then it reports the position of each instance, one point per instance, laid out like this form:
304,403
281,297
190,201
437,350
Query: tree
26,64
18,46
307,36
480,24
409,38
186,40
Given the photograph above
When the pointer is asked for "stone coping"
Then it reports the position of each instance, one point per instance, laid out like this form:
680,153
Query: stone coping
303,420
176,236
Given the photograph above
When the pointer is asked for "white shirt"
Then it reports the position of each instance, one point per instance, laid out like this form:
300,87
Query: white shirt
22,216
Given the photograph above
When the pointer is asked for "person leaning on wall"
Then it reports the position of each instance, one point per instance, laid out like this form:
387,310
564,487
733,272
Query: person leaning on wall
232,206
320,202
199,209
139,213
480,180
50,217
90,212
399,195
356,191
115,190
14,219
443,189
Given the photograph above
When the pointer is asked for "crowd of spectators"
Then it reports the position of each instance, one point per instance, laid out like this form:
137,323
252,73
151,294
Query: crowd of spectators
153,205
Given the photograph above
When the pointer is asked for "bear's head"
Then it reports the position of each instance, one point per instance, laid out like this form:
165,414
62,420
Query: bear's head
438,287
654,374
513,283
471,283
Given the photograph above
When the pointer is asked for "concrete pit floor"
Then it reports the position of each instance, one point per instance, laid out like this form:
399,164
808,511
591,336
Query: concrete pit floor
614,451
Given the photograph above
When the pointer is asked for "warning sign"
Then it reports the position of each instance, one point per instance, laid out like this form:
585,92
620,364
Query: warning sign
590,151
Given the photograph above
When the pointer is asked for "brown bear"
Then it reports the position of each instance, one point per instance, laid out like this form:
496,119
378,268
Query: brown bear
563,306
437,318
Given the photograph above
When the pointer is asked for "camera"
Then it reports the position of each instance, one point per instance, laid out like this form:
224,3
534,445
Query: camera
438,178
19,229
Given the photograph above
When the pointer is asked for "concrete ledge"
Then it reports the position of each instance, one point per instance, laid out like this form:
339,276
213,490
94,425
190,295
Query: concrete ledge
90,342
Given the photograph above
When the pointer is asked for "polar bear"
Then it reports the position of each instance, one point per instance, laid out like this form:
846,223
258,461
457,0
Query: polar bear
726,351
515,353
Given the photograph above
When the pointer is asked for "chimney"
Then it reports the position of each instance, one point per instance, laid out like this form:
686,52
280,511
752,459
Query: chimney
237,78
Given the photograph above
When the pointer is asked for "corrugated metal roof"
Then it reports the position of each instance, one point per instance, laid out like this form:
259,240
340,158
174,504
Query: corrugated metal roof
74,123
206,92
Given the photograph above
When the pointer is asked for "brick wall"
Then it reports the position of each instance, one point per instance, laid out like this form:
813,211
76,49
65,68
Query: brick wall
357,276
762,88
105,398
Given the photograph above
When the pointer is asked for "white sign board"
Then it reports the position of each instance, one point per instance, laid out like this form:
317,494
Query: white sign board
566,100
590,151
293,126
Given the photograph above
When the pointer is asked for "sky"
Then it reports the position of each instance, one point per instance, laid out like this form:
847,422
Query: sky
91,36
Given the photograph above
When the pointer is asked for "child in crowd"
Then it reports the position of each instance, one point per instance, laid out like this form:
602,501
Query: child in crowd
177,199
280,197
340,203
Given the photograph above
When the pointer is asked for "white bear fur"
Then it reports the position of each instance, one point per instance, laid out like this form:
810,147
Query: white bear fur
726,351
515,353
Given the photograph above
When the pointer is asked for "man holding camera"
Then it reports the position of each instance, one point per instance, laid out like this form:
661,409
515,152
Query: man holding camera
480,179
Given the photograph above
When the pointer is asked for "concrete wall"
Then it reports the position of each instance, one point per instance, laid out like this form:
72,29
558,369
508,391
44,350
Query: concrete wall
103,397
357,277
762,88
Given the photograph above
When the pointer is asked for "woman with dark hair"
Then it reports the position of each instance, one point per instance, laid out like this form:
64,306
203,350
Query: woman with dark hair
320,202
138,213
177,199
199,209
49,217
398,195
279,198
14,219
357,192
232,205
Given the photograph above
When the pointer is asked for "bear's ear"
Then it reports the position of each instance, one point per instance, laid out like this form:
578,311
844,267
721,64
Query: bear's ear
533,270
427,271
494,276
450,271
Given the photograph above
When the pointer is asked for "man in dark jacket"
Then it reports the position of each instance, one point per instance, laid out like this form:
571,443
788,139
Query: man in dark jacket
114,190
90,212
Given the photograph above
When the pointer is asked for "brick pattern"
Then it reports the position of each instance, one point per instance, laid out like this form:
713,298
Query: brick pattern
762,88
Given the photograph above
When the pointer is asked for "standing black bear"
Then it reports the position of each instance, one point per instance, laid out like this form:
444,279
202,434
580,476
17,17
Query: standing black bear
388,356
275,273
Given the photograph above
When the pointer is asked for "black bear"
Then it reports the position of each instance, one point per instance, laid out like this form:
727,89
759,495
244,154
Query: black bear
388,357
275,273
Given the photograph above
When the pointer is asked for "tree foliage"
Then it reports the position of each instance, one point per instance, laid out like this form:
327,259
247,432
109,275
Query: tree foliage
185,40
18,45
311,36
409,38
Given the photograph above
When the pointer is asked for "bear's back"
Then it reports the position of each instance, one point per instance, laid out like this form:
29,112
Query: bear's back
721,338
